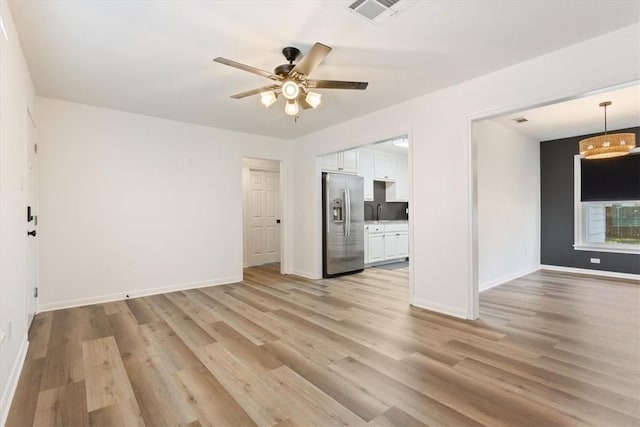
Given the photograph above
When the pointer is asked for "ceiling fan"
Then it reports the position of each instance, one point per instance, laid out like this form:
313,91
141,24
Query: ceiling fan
292,80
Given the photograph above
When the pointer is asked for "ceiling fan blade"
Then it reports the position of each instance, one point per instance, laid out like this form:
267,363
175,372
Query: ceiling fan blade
302,101
255,91
247,68
336,84
311,60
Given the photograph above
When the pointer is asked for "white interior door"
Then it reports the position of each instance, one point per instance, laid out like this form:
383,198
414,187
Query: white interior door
31,219
263,222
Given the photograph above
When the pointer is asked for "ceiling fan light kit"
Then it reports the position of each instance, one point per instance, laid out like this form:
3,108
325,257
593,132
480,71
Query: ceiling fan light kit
292,81
607,145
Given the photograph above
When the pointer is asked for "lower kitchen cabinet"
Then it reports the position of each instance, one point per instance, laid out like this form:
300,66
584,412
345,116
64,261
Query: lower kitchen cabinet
376,247
384,245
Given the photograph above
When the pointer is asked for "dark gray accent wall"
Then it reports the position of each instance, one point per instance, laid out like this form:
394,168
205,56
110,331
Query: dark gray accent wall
390,210
557,218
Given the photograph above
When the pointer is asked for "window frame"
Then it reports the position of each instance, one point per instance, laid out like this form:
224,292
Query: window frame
579,211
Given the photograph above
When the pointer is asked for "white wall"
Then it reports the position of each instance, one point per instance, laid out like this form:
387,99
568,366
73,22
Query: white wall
508,179
439,125
131,204
16,94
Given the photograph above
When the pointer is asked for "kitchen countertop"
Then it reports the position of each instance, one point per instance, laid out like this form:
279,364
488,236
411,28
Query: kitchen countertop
388,221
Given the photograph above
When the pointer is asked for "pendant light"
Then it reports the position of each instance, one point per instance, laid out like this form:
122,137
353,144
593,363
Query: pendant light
607,145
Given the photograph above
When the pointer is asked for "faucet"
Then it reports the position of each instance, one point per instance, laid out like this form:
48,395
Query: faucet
378,210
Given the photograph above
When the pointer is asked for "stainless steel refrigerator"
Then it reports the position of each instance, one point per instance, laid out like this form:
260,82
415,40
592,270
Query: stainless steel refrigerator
342,224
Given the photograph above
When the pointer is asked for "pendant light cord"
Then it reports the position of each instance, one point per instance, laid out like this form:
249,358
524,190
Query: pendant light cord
605,119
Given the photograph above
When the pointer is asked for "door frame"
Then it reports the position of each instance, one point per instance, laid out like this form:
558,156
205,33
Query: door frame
30,143
258,163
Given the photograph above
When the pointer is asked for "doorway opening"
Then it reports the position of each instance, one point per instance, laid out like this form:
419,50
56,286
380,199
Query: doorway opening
385,168
262,210
523,191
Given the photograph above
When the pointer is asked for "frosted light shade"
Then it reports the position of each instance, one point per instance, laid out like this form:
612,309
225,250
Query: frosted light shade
268,98
291,108
290,90
313,99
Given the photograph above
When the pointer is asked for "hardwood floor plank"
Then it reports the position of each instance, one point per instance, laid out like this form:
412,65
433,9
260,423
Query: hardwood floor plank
358,399
62,406
255,396
23,410
395,417
211,401
312,407
105,377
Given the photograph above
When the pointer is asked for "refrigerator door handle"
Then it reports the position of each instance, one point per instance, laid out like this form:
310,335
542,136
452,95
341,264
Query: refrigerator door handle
348,206
346,213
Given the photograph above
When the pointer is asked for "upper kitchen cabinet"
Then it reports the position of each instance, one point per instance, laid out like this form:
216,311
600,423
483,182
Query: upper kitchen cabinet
398,191
384,167
343,162
365,170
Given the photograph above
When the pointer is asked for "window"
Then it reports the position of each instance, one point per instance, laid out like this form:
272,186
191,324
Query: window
605,226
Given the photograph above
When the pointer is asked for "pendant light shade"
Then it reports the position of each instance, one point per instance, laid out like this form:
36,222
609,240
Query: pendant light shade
607,145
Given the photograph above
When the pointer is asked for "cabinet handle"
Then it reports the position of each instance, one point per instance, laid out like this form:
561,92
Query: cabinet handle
397,234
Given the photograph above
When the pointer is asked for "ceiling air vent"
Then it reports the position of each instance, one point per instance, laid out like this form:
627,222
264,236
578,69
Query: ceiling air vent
379,10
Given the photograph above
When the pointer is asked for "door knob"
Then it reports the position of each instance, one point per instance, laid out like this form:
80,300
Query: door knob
31,233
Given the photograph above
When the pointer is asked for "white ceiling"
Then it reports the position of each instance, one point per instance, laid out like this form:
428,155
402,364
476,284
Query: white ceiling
579,116
155,57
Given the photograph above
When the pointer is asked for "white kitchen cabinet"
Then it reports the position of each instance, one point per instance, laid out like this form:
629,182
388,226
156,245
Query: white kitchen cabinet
350,161
398,191
384,167
365,170
331,162
396,245
343,162
384,242
376,247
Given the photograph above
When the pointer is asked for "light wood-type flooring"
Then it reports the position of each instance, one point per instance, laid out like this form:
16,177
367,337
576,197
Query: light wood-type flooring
550,349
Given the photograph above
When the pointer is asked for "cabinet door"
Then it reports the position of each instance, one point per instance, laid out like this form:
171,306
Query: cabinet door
402,179
384,167
390,246
402,241
330,162
398,191
365,170
376,247
349,161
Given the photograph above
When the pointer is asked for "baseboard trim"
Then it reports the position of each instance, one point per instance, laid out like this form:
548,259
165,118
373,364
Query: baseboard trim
12,385
440,308
305,274
507,278
589,272
136,294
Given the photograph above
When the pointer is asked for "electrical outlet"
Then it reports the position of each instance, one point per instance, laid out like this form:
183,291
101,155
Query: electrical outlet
595,260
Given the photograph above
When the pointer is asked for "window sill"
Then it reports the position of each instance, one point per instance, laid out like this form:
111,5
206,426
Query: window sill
632,249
